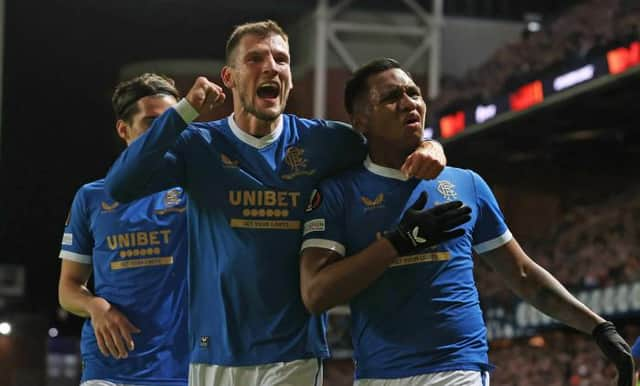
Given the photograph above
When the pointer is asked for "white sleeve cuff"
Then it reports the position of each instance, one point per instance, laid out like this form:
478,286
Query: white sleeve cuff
77,257
325,244
493,243
186,111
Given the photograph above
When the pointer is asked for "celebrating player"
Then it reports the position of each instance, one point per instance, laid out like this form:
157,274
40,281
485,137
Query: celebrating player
370,239
248,177
136,331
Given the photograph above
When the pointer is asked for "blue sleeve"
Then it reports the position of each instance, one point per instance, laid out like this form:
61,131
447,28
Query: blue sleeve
347,146
635,349
490,230
324,220
151,163
77,240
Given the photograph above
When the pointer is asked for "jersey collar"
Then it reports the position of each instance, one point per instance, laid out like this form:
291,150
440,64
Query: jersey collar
384,171
258,143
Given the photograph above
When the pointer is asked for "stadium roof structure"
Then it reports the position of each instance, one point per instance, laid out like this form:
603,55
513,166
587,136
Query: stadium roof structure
592,126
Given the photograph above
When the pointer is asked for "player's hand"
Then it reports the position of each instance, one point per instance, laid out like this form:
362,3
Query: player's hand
421,228
204,95
112,329
427,162
616,350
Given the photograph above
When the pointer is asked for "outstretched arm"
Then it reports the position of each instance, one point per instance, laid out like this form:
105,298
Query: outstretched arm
538,287
148,165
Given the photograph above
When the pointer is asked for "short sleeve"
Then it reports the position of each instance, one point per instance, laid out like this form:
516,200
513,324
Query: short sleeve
77,240
324,223
490,231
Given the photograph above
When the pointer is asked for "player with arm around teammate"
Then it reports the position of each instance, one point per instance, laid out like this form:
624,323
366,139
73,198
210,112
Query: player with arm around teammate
416,318
248,177
136,327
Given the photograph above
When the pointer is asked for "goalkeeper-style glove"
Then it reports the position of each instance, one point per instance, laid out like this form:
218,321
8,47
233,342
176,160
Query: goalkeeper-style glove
616,350
421,228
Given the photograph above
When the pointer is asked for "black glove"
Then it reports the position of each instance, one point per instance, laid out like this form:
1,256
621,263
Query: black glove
421,228
616,350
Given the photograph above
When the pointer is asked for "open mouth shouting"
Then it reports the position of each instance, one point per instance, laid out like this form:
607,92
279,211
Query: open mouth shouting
268,91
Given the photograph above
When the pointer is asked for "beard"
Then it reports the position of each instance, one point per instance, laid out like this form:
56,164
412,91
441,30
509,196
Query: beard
268,116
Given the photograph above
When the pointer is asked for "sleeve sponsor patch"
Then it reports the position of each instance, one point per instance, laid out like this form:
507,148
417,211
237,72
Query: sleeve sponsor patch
315,225
315,199
67,239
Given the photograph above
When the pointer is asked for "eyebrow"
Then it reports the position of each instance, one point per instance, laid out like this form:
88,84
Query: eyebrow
391,90
262,51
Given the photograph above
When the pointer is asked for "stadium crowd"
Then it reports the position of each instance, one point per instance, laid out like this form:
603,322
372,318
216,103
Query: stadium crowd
588,29
600,239
555,358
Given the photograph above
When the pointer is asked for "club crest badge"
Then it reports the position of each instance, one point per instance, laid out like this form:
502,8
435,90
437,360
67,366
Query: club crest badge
172,197
297,164
447,190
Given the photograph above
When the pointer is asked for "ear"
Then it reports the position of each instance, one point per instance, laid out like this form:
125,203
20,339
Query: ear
226,74
122,128
359,122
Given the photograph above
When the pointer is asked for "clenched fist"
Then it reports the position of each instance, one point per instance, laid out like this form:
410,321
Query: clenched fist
205,95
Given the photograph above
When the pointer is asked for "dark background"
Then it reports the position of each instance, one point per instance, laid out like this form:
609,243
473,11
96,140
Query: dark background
62,59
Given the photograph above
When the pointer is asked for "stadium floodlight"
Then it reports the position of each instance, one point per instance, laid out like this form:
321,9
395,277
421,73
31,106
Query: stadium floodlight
533,21
534,26
5,328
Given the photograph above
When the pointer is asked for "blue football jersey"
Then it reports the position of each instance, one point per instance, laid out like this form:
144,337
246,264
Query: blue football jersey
246,204
423,314
138,253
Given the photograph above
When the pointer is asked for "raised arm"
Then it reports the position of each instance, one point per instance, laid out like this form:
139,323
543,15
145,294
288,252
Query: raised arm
152,162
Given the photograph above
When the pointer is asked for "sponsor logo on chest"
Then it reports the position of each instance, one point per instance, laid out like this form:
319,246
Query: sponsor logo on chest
265,209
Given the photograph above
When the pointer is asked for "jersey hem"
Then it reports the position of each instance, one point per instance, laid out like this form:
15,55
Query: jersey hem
437,369
137,381
239,363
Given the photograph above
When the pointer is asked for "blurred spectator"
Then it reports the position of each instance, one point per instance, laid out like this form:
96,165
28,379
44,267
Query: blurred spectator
587,29
600,240
556,358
